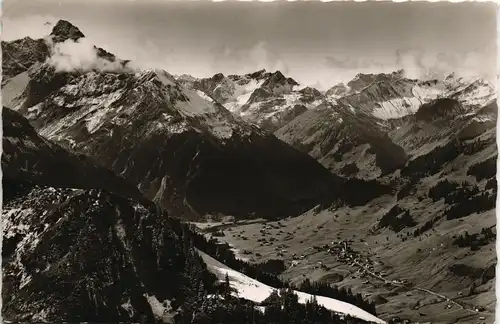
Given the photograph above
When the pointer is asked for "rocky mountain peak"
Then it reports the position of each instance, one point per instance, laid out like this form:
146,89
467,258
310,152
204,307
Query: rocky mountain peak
278,74
185,78
399,73
65,30
310,92
102,53
362,80
277,83
218,77
219,86
258,74
278,77
19,55
337,90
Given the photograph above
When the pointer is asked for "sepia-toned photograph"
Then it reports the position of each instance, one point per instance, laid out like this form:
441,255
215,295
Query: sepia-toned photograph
248,162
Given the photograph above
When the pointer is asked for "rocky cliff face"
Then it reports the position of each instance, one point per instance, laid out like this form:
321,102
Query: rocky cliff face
19,55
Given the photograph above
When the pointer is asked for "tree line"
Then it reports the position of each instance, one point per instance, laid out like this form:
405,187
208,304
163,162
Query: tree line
397,219
280,307
346,295
485,169
224,254
477,240
476,204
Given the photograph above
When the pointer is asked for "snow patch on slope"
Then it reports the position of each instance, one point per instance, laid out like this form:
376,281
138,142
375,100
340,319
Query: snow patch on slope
160,310
396,108
127,306
242,94
256,291
479,95
165,77
94,122
195,105
279,105
424,93
204,96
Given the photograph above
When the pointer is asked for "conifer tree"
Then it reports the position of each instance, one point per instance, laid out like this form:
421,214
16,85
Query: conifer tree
227,286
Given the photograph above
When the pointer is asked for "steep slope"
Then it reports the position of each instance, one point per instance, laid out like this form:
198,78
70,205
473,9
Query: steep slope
233,91
89,255
442,121
24,55
344,142
346,133
136,122
74,251
266,99
21,160
374,113
432,245
86,255
392,96
19,55
259,292
183,149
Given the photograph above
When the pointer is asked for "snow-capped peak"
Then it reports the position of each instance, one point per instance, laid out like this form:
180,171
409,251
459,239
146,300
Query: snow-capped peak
185,77
392,95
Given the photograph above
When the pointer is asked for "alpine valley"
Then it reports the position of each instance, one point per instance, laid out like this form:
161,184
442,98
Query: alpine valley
134,195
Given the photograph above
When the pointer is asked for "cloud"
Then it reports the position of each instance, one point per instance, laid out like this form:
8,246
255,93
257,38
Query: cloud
81,55
261,57
410,60
416,62
247,59
419,63
350,63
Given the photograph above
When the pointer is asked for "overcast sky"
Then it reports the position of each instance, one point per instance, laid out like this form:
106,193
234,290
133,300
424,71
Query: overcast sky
316,43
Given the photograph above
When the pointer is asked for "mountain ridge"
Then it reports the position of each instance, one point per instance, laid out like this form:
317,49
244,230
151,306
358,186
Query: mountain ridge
131,121
78,248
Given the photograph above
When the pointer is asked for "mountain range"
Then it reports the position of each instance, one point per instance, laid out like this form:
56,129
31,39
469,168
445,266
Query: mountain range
101,161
